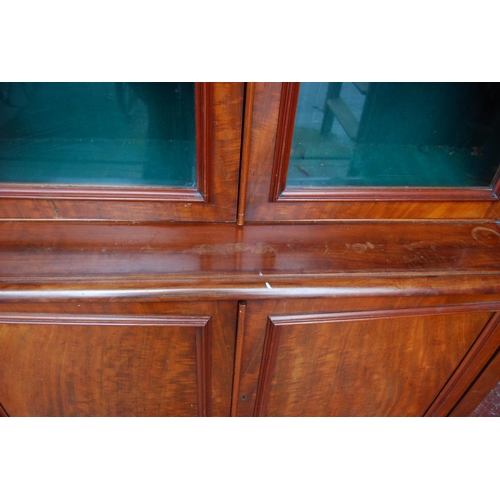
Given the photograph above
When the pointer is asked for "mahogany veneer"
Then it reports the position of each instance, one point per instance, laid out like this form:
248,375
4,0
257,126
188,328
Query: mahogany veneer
346,319
242,297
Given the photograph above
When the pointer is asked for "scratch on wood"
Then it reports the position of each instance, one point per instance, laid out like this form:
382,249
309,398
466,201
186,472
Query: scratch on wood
486,236
360,247
55,209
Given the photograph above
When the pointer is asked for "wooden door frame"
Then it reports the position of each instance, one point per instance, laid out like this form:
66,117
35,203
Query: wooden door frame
219,109
274,106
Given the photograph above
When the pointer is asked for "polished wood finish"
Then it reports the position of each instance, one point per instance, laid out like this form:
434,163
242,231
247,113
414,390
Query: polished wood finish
142,279
496,184
64,251
375,362
480,388
388,194
286,122
204,139
471,366
218,129
56,261
3,413
67,364
240,338
245,152
149,313
268,200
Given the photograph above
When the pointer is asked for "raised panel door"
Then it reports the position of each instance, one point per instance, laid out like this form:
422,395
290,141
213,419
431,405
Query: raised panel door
365,363
66,364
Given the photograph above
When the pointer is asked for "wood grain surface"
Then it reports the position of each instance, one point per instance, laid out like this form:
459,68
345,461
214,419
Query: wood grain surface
480,388
375,363
59,250
67,364
469,370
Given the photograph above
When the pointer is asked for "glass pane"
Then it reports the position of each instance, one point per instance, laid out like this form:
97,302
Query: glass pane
396,134
98,133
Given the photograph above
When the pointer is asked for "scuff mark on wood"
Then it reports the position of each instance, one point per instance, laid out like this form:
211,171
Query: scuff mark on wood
232,248
486,236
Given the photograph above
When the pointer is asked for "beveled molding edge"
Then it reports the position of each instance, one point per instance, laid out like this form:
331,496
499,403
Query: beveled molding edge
389,194
103,319
274,322
294,319
3,413
469,369
204,113
202,339
486,285
204,368
280,193
43,192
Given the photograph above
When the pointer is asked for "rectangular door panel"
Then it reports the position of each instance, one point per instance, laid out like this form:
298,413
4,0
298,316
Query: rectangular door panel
120,151
371,363
115,365
317,154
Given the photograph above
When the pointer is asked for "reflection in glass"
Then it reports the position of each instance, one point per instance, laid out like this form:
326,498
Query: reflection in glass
396,134
98,133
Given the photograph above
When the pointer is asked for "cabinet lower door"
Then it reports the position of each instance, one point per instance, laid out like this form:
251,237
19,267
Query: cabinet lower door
175,363
363,363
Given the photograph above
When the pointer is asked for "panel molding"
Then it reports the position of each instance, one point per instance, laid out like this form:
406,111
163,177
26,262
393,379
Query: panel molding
240,335
484,382
389,194
245,151
269,354
204,139
275,322
203,369
3,413
284,137
269,200
202,339
204,168
380,314
218,122
466,373
103,320
279,192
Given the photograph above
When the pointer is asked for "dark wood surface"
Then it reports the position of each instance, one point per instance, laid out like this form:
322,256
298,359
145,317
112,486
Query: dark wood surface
471,367
245,152
93,279
380,313
155,360
352,357
51,260
240,339
3,413
219,129
269,131
284,136
480,388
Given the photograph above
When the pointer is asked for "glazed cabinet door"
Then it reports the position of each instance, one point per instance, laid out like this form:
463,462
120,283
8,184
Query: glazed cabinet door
108,360
140,151
303,358
342,150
